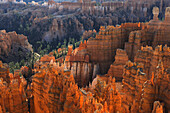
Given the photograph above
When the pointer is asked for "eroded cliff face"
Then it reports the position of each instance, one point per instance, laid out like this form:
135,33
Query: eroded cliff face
148,34
101,50
140,94
153,33
50,86
54,90
56,83
144,87
81,68
156,89
133,79
95,56
13,47
150,57
13,96
116,69
62,28
143,93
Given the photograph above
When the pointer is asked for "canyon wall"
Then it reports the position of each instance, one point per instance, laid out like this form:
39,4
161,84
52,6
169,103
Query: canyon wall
102,49
78,62
133,79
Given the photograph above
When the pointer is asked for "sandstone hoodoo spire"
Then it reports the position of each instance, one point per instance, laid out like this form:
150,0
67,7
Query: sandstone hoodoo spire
155,13
167,14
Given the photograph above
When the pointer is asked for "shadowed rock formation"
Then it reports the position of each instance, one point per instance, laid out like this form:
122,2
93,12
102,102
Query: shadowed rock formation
13,47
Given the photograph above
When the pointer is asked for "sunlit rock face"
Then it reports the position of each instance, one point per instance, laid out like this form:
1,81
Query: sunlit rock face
140,93
150,57
157,107
55,84
50,86
54,90
61,87
142,81
153,33
129,36
156,89
13,47
101,50
13,97
133,79
4,72
116,69
96,55
78,62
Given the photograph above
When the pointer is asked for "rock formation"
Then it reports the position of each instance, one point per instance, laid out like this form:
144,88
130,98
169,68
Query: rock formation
144,83
153,33
101,49
78,83
150,57
133,79
78,62
156,89
136,6
13,47
140,91
88,34
4,72
116,69
157,108
54,90
85,5
13,96
58,92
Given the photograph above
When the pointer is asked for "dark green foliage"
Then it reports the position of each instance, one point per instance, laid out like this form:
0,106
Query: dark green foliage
29,61
14,66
